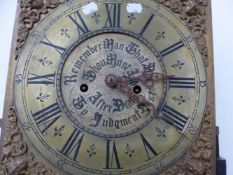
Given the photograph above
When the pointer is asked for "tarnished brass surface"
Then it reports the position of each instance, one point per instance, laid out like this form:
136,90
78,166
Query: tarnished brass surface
79,123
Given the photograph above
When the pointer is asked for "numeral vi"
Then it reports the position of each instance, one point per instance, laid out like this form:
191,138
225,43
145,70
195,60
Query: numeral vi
112,158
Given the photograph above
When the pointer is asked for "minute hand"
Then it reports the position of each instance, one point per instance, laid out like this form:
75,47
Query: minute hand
148,79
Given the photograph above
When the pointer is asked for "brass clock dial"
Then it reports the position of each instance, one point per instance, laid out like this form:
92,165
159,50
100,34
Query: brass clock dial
82,123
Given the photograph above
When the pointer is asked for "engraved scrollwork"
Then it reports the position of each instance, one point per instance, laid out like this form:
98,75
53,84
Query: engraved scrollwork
16,158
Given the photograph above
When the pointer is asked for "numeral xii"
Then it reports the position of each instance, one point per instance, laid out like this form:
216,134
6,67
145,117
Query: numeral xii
113,15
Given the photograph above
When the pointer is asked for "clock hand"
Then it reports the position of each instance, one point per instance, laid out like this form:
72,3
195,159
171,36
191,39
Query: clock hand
123,87
148,79
121,83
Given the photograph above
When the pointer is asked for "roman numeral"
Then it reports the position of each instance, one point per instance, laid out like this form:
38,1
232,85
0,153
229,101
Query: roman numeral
77,19
46,117
113,15
112,159
41,79
73,144
172,48
147,24
150,152
181,82
174,118
47,42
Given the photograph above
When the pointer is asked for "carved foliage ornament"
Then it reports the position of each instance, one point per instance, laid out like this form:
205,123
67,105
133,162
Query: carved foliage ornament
194,14
17,159
30,13
197,161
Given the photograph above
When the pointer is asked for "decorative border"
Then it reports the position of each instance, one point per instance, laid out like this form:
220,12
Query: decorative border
194,14
198,160
17,159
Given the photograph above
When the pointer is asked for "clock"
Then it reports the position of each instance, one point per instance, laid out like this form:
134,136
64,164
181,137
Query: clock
112,87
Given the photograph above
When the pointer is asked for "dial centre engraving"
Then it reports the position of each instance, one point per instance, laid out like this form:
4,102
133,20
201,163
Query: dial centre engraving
95,92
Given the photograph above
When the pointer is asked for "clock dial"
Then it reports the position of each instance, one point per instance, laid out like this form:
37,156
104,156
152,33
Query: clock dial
110,87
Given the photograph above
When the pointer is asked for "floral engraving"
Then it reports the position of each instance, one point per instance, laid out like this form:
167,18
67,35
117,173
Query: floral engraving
131,18
129,151
160,132
42,97
178,65
65,33
180,99
96,17
92,150
58,131
160,35
44,61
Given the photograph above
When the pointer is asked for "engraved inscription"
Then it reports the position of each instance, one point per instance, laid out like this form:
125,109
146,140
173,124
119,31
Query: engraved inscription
86,94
